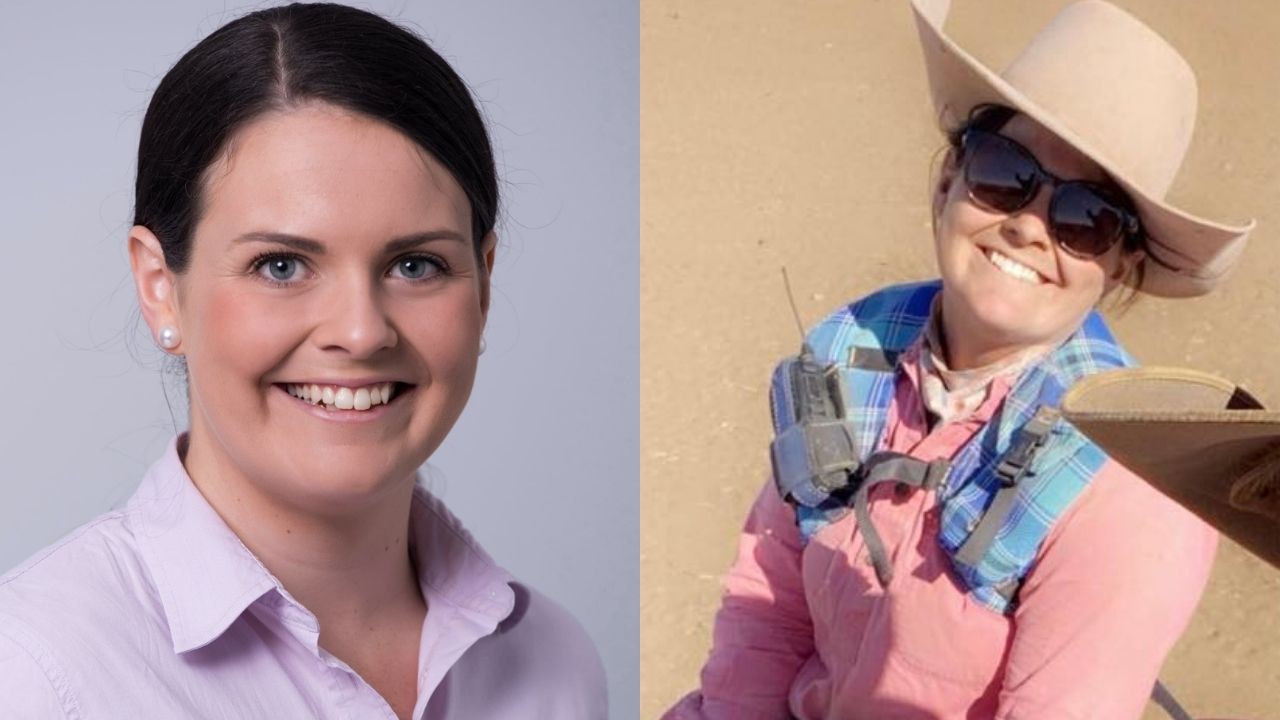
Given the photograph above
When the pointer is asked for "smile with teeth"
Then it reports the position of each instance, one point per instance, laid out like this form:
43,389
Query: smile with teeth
1014,268
344,398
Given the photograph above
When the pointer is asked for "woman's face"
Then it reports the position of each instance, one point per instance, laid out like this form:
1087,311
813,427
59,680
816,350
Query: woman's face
379,284
1042,293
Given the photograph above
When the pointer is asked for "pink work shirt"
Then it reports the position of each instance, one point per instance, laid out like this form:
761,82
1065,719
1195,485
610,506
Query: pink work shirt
807,630
157,610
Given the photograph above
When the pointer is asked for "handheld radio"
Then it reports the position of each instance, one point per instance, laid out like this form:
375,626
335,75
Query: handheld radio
813,453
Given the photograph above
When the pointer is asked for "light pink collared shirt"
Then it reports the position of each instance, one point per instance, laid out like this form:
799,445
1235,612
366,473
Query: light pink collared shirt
157,610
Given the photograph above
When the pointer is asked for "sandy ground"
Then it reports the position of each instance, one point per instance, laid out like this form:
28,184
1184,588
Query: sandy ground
798,133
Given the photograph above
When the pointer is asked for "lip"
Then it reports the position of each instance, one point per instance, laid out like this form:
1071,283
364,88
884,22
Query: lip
346,382
373,414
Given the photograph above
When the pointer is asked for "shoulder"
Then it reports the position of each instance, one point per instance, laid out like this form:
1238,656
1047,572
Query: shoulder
538,661
542,657
91,571
62,604
1117,493
32,684
1115,586
550,642
1148,537
867,320
85,593
887,299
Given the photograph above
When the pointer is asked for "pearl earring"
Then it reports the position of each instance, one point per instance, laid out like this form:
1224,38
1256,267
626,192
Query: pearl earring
482,345
169,337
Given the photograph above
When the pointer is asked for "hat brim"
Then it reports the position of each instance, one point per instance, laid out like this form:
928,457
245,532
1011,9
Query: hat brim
1171,427
1186,251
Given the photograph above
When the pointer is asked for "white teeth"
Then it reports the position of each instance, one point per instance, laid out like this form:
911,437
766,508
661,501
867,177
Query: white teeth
1014,268
342,398
361,400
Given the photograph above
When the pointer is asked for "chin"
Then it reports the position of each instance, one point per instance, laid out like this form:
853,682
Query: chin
1006,332
335,495
993,318
351,471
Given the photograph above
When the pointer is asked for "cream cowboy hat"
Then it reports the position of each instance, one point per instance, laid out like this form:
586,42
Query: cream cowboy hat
1199,439
1112,88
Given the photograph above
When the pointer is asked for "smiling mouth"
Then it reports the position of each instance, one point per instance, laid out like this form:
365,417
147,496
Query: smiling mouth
337,397
1013,268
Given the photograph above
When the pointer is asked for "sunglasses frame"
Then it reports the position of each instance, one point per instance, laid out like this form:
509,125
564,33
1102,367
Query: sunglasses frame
1130,228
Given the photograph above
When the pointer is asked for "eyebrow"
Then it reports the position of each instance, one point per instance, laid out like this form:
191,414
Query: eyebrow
315,247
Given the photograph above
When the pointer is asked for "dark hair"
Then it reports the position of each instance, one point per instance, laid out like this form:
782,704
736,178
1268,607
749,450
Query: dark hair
987,116
282,57
992,117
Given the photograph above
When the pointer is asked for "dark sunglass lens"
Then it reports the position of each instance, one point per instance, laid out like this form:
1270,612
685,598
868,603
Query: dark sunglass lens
999,176
1085,222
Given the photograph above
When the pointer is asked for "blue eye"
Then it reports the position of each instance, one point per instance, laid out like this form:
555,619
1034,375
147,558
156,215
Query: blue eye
278,268
418,267
282,268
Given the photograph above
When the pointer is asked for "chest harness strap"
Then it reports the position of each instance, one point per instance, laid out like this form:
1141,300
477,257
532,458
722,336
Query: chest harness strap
905,470
1012,468
815,462
883,467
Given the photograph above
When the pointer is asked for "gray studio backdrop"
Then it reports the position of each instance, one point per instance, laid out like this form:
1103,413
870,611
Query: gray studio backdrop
543,466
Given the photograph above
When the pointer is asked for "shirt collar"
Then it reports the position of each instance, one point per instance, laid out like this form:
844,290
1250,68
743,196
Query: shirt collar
951,395
206,577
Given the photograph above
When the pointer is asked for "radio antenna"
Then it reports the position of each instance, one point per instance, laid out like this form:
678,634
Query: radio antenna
786,282
805,350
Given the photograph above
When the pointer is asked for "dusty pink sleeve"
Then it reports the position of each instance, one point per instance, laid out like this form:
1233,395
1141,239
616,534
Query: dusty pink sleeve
762,633
1116,584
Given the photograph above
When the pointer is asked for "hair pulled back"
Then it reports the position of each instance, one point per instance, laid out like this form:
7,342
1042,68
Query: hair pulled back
283,57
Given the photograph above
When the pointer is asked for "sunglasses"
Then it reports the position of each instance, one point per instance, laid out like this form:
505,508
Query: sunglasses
1085,218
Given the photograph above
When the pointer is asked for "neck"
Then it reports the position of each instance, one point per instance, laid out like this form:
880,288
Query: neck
961,354
351,571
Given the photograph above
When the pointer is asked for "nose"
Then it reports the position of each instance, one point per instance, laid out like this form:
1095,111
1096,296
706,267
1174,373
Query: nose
354,321
1030,225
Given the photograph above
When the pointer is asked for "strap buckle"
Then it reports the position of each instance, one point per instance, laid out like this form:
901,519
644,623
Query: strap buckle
1013,466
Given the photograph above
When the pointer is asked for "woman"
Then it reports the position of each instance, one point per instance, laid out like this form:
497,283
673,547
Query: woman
935,542
313,236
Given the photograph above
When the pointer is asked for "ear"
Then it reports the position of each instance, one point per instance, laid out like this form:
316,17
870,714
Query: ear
1128,262
1125,266
488,249
156,285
